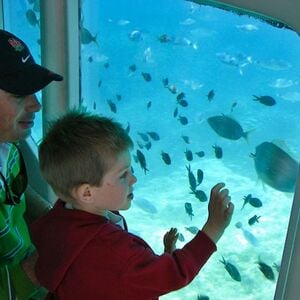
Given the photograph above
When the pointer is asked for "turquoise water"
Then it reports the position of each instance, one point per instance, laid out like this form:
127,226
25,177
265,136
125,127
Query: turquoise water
206,49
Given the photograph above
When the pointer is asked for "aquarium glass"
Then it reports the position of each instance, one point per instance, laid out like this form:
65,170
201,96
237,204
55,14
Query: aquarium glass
216,85
22,18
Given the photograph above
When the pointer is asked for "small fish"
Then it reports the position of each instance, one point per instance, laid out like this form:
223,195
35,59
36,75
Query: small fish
192,229
154,135
183,103
32,18
183,120
202,297
253,219
142,160
175,113
266,100
192,178
218,151
232,270
181,237
180,96
166,158
148,145
99,83
106,65
233,105
94,105
144,136
146,205
248,235
200,153
186,139
90,59
86,37
165,82
112,106
172,88
189,209
149,104
146,76
200,195
266,270
164,38
210,95
188,155
119,97
132,68
200,176
255,202
135,35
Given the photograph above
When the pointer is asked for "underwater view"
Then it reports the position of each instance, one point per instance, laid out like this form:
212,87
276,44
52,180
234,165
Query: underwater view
207,96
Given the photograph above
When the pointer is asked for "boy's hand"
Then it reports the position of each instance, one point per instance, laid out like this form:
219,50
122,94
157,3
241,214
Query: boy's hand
170,239
220,211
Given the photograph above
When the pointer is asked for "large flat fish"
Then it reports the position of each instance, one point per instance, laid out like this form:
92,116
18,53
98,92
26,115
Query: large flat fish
227,127
275,167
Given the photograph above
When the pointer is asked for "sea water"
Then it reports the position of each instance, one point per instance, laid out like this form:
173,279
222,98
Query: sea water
197,49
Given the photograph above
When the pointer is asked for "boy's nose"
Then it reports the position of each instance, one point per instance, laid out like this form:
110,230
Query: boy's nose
32,104
133,179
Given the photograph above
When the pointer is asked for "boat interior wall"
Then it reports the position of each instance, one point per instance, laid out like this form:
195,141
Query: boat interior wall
279,13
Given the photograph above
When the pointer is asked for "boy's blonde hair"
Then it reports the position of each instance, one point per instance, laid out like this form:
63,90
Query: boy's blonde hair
79,148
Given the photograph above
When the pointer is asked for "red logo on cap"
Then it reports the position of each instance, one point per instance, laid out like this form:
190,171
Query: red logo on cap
17,45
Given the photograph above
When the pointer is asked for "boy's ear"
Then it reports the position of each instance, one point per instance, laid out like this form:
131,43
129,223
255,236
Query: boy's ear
83,193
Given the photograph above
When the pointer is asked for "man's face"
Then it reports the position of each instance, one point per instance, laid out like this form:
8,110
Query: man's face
16,116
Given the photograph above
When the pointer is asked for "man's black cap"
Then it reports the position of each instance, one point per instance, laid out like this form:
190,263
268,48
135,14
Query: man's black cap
19,74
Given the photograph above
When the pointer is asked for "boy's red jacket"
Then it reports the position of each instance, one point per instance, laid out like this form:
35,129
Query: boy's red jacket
85,256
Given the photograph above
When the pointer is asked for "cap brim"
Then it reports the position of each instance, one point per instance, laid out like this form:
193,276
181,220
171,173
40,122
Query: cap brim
31,79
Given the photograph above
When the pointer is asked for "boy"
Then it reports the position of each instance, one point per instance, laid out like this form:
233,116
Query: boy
85,251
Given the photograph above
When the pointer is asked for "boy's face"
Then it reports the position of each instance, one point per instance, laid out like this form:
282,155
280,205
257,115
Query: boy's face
116,191
16,116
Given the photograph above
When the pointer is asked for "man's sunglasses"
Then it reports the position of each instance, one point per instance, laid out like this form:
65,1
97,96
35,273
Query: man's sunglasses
18,185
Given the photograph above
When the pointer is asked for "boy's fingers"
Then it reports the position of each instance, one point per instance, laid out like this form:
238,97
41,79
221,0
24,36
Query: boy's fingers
217,188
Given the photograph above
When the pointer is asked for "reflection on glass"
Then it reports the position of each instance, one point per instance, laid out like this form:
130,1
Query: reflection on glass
22,18
202,92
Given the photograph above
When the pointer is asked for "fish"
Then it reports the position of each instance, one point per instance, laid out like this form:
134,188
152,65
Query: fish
266,270
239,61
200,153
183,103
90,59
181,237
164,38
186,139
200,195
274,64
123,22
266,100
144,136
99,83
175,113
180,96
202,297
166,158
253,220
148,55
188,21
218,151
149,104
192,229
188,155
119,97
192,178
275,167
146,76
86,37
165,82
32,18
142,160
154,135
249,236
183,120
132,68
232,270
106,65
227,127
233,105
255,202
247,27
189,209
148,145
210,95
112,106
200,176
145,205
282,83
135,35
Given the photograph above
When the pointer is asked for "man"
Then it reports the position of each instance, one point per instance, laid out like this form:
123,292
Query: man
20,78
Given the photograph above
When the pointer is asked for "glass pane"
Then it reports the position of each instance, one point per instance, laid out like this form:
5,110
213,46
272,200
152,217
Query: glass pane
21,17
222,93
